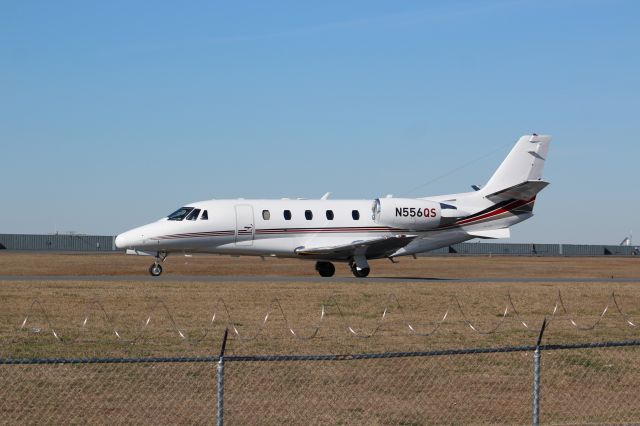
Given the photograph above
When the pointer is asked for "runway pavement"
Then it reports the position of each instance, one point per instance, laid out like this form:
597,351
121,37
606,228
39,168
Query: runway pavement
306,279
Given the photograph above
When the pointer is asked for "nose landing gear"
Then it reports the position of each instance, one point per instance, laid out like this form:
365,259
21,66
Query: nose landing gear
156,268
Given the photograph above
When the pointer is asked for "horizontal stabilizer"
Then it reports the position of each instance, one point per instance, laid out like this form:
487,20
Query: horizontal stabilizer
522,191
374,246
491,234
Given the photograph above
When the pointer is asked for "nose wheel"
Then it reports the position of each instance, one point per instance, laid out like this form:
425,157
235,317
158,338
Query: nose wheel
325,269
156,268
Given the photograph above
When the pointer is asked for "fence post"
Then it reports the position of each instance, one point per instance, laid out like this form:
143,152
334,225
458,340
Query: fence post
535,420
220,395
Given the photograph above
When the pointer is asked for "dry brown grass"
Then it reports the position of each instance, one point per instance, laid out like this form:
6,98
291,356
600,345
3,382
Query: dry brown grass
16,263
466,389
190,305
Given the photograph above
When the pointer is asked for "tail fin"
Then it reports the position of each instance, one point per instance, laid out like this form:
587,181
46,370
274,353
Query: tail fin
524,164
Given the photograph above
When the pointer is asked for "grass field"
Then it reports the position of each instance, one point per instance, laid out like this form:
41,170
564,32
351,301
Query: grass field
23,263
171,308
176,318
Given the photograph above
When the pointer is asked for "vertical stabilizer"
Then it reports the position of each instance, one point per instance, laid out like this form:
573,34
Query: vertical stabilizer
524,163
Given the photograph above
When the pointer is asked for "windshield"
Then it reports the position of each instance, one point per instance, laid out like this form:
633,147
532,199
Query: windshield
180,213
193,215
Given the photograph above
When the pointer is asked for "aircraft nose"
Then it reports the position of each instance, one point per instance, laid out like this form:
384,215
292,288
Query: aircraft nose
127,240
131,239
121,241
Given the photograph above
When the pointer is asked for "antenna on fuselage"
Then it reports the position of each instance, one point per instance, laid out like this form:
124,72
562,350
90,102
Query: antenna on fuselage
325,196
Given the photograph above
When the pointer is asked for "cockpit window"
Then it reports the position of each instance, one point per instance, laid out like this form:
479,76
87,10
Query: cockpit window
180,214
205,215
193,215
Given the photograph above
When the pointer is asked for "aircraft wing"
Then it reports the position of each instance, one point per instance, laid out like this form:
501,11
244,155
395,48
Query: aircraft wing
371,248
522,191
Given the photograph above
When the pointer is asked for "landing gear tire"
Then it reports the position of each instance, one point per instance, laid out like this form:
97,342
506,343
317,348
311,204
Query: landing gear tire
325,269
155,270
360,272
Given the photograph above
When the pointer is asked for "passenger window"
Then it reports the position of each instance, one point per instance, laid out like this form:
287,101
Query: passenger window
287,215
266,215
193,215
205,215
308,214
355,214
330,214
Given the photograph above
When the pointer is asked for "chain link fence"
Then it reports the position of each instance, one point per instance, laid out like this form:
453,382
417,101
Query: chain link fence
412,390
590,386
117,391
578,384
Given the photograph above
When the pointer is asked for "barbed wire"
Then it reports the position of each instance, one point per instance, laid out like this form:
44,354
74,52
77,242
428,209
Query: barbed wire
222,314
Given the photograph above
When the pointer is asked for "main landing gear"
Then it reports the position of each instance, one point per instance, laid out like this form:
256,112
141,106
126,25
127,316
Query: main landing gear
156,267
359,272
325,269
359,266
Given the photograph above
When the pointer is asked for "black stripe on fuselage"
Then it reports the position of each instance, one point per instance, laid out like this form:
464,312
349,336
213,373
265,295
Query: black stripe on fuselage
286,231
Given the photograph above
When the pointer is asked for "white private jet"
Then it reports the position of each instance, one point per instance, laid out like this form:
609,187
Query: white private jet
350,231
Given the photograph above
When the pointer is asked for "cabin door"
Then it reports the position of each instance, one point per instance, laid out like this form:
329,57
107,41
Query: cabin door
244,225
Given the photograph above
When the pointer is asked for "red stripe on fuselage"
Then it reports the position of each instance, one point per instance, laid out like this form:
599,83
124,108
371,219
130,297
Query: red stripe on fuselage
509,207
316,230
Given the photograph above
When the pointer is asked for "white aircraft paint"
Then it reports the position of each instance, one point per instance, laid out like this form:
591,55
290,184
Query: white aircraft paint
350,231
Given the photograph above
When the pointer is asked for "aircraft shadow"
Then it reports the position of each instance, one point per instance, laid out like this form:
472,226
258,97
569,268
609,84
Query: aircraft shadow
417,278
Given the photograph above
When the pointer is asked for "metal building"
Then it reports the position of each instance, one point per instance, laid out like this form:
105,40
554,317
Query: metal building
62,242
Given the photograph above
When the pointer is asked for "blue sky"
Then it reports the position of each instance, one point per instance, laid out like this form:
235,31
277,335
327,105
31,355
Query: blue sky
115,113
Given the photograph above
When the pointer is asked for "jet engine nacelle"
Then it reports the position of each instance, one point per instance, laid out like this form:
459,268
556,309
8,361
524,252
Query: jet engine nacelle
407,213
